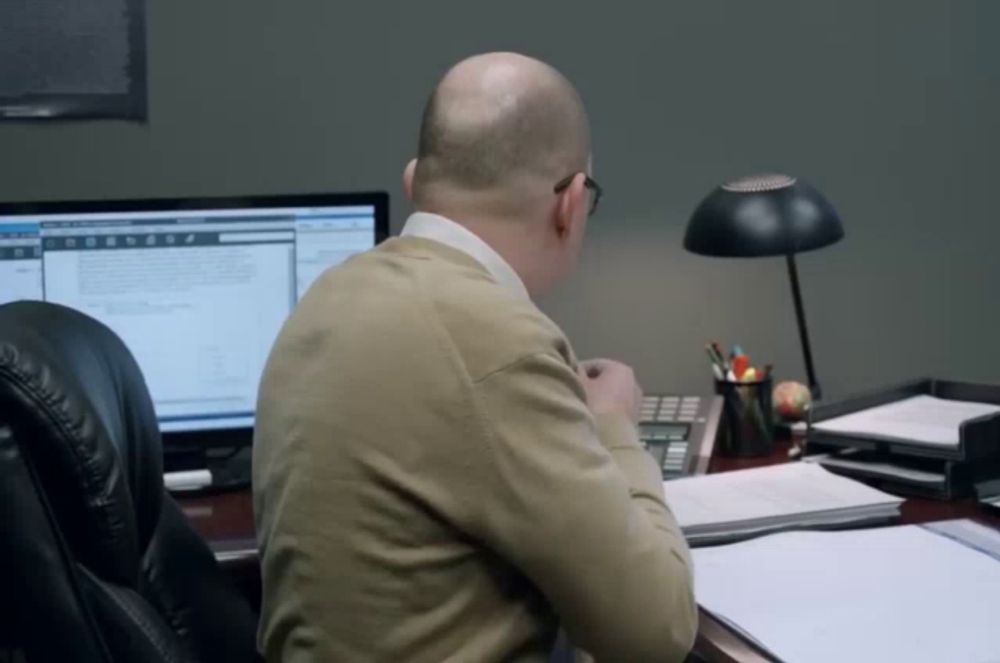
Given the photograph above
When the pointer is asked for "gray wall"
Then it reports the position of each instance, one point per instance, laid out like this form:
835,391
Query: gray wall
891,108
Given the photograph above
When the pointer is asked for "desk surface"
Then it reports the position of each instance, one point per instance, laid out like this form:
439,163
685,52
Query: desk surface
226,521
717,642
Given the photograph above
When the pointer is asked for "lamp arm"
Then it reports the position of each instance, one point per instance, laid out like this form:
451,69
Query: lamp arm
800,316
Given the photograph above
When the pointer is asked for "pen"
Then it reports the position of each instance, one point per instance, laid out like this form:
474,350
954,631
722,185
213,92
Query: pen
717,368
720,356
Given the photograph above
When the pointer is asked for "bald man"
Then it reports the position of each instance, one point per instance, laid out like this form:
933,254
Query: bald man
436,478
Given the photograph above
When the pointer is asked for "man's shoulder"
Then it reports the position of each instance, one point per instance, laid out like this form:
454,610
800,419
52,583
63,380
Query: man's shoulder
491,327
418,293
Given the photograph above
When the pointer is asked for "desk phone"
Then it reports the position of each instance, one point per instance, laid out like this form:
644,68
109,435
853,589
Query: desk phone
679,432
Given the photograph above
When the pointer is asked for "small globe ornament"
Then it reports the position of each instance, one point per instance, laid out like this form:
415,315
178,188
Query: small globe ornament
791,400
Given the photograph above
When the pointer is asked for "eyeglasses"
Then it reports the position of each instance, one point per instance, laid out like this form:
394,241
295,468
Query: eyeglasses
589,183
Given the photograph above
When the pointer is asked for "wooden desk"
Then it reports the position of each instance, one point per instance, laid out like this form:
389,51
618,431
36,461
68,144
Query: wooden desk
226,522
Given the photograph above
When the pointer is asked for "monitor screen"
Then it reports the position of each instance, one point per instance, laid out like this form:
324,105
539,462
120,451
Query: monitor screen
197,289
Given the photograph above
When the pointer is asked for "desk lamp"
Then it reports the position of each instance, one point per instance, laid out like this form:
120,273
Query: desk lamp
767,215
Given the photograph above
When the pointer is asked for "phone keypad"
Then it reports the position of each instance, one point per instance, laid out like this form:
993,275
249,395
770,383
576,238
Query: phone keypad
671,409
664,429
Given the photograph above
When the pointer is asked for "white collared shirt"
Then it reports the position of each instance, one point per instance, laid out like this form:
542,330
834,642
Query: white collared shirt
441,229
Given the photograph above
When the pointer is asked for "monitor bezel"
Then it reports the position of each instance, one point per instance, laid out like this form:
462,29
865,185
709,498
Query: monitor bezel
379,199
222,437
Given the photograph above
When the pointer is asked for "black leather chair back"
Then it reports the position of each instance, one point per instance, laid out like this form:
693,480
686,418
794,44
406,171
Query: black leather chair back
99,562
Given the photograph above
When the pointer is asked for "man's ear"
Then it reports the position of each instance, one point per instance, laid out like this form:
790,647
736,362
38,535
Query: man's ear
571,202
408,178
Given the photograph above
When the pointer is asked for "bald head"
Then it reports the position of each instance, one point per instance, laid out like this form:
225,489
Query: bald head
496,124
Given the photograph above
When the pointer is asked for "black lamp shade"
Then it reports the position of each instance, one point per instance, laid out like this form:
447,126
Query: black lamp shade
762,215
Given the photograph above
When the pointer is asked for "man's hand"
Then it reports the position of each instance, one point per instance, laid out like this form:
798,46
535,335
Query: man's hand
611,388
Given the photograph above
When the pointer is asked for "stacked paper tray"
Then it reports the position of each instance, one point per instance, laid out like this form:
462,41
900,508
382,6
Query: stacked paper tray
955,421
932,438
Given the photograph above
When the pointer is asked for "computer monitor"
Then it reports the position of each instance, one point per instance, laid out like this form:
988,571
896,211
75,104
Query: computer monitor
197,288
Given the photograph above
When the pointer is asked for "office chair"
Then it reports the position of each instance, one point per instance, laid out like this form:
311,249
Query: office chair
97,562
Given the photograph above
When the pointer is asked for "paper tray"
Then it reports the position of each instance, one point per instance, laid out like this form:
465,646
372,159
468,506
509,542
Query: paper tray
954,480
978,438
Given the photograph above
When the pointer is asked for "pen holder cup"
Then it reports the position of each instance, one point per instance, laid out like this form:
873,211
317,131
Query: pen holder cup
747,426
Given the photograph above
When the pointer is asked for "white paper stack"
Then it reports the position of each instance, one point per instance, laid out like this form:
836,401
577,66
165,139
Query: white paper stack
729,506
920,420
907,593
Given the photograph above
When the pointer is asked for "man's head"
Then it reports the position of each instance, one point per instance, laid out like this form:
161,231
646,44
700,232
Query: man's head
499,132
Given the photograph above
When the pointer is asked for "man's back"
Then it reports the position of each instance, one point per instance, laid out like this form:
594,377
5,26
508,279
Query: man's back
429,484
367,451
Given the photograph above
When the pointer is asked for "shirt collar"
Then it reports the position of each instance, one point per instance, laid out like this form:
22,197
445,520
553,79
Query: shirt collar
440,229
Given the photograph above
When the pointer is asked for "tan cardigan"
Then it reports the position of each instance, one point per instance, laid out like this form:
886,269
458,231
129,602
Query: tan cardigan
429,484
